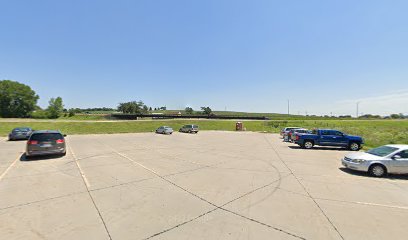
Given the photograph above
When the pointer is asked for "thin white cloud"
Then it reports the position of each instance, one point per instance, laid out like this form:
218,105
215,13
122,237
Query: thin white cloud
393,102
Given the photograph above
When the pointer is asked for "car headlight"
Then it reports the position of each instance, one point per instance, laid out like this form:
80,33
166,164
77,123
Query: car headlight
358,160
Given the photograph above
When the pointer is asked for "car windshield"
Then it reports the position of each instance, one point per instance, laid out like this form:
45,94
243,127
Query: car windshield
382,151
46,136
21,130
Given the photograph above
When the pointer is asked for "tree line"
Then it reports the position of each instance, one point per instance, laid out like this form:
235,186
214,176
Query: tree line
18,100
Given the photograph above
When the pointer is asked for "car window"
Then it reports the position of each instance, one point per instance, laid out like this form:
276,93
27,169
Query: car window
403,154
46,136
195,126
325,132
382,151
21,129
337,133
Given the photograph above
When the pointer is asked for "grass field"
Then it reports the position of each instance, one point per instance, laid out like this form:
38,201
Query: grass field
375,132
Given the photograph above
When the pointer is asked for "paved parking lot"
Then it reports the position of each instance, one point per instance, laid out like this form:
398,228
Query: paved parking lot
211,185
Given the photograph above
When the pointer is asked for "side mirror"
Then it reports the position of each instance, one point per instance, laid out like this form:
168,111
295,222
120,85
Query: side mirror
396,157
64,135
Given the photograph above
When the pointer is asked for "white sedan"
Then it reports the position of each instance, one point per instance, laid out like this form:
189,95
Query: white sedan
379,161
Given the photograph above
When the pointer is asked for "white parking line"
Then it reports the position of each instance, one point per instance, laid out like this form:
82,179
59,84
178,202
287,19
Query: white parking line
8,169
79,167
365,203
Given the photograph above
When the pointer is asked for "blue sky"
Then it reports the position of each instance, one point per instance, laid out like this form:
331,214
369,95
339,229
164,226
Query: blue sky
241,55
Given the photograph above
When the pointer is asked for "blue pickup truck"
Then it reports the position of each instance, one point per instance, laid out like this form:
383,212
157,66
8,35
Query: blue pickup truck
328,137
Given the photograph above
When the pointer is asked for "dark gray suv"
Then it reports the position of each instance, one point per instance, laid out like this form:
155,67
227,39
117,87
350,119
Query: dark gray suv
20,133
46,142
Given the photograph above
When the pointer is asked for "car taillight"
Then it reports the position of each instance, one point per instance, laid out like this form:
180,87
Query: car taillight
32,142
60,141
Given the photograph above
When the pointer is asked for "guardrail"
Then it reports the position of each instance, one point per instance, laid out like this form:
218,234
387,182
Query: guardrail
171,116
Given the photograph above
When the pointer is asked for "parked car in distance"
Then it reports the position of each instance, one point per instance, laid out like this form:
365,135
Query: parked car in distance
190,128
329,137
46,142
287,129
292,134
288,134
20,133
164,130
379,161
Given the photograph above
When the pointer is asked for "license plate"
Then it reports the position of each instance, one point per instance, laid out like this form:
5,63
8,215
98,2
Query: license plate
47,145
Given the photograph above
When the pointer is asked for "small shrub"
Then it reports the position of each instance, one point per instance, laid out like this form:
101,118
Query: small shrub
40,114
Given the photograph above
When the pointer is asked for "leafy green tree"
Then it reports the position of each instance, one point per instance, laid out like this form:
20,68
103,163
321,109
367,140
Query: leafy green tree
16,99
395,116
133,107
55,107
206,110
189,110
71,112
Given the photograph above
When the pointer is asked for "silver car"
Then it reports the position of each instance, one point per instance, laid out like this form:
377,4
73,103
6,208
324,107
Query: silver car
164,130
379,161
46,142
20,133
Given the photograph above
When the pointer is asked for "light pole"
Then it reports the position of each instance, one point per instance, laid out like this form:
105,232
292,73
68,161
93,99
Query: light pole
357,109
288,108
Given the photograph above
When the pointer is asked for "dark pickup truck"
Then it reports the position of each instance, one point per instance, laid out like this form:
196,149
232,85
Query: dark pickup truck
328,137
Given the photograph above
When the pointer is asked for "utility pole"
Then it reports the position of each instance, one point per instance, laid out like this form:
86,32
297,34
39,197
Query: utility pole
357,109
288,108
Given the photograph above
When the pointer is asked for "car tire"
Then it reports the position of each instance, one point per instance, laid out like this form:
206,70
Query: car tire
308,144
354,146
377,170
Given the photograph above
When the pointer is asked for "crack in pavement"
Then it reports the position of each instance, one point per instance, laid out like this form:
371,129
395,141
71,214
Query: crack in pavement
204,200
304,188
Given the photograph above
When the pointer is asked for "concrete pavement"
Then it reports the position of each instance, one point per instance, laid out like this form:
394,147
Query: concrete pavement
211,185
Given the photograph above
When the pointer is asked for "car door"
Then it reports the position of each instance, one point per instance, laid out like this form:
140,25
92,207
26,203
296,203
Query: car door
325,138
400,165
333,138
339,138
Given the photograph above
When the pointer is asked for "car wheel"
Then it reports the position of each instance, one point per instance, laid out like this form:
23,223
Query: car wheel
377,170
354,146
308,145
